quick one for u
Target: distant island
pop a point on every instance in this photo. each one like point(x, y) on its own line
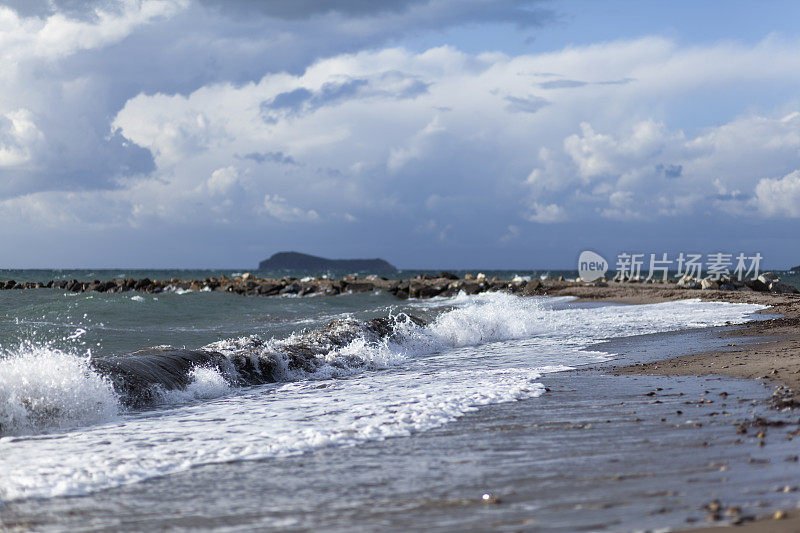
point(298, 261)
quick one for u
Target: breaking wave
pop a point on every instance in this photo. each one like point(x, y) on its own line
point(43, 388)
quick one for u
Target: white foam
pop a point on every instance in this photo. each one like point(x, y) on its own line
point(488, 318)
point(178, 290)
point(206, 383)
point(43, 388)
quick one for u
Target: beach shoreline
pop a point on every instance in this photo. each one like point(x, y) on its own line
point(770, 354)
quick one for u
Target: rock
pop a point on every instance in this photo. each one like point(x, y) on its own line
point(359, 286)
point(414, 288)
point(532, 287)
point(756, 285)
point(142, 284)
point(292, 288)
point(481, 276)
point(473, 288)
point(429, 291)
point(309, 288)
point(709, 284)
point(469, 277)
point(103, 286)
point(688, 282)
point(447, 275)
point(246, 276)
point(782, 288)
point(768, 277)
point(269, 289)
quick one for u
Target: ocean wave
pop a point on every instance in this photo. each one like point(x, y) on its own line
point(42, 388)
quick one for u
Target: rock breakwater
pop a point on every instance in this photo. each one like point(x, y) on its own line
point(423, 286)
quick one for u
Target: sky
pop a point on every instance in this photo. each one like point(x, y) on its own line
point(431, 133)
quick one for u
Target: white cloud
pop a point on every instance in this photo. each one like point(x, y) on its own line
point(277, 207)
point(645, 170)
point(222, 180)
point(18, 137)
point(546, 214)
point(779, 197)
point(59, 35)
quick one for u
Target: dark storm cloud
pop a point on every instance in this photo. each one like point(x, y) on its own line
point(525, 105)
point(65, 166)
point(415, 15)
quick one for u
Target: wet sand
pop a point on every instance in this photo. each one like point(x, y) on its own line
point(767, 350)
point(596, 453)
point(775, 357)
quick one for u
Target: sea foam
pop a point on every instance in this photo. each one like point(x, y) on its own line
point(44, 388)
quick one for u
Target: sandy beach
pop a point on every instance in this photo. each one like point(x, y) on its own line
point(772, 356)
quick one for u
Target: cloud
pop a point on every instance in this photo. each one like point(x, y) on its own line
point(380, 142)
point(363, 141)
point(303, 99)
point(270, 157)
point(85, 9)
point(301, 9)
point(669, 171)
point(546, 214)
point(222, 180)
point(277, 207)
point(562, 84)
point(18, 137)
point(54, 129)
point(443, 13)
point(779, 197)
point(622, 176)
point(531, 104)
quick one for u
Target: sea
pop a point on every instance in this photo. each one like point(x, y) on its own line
point(193, 410)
